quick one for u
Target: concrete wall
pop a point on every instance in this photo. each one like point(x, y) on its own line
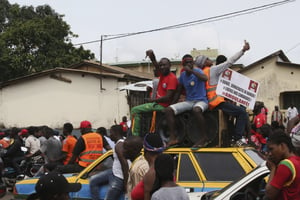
point(274, 79)
point(47, 101)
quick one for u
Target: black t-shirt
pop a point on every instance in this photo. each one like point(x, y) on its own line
point(80, 145)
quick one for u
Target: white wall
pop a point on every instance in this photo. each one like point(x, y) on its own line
point(46, 101)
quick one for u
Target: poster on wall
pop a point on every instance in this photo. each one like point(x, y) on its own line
point(238, 88)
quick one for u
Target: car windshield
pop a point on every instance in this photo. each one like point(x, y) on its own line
point(218, 192)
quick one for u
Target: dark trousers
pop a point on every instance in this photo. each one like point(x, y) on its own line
point(241, 117)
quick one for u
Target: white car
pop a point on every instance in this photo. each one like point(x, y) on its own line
point(250, 187)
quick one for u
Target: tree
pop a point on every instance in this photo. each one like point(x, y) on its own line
point(35, 39)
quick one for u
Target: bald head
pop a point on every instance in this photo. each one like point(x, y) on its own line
point(132, 147)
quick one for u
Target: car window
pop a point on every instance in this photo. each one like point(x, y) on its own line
point(105, 164)
point(255, 156)
point(254, 189)
point(187, 171)
point(219, 166)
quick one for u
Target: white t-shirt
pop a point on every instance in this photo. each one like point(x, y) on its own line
point(291, 113)
point(32, 143)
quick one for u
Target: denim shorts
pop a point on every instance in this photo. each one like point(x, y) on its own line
point(188, 105)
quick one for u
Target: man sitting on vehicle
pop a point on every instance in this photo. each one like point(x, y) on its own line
point(192, 80)
point(218, 102)
point(166, 88)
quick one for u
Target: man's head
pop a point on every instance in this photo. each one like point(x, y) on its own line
point(164, 167)
point(279, 146)
point(23, 133)
point(132, 147)
point(276, 108)
point(188, 60)
point(153, 144)
point(85, 127)
point(220, 59)
point(116, 132)
point(54, 186)
point(102, 131)
point(49, 132)
point(32, 130)
point(124, 119)
point(164, 66)
point(203, 61)
point(67, 129)
point(14, 132)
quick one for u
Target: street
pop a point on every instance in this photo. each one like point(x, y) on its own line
point(8, 196)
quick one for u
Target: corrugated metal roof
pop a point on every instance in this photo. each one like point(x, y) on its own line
point(57, 70)
point(279, 53)
point(114, 69)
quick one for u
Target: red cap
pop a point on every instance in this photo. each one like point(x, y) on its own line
point(85, 124)
point(23, 132)
point(2, 133)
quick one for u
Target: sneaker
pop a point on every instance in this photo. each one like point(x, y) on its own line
point(241, 142)
point(20, 177)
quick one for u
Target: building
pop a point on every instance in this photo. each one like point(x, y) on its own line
point(278, 78)
point(84, 91)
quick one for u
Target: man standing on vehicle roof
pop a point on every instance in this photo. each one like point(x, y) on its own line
point(165, 90)
point(218, 102)
point(284, 165)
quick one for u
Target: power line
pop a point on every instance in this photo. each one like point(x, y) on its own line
point(193, 23)
point(294, 47)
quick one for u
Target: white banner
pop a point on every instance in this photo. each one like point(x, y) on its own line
point(238, 88)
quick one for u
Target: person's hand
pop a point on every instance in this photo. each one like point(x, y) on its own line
point(246, 46)
point(271, 165)
point(188, 68)
point(149, 53)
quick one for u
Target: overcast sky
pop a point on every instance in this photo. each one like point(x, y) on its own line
point(267, 30)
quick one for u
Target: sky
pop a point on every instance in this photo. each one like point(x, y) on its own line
point(267, 30)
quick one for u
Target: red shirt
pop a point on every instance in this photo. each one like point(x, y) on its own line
point(166, 83)
point(124, 126)
point(283, 175)
point(137, 192)
point(259, 120)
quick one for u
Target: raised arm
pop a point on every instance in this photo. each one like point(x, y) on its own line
point(152, 57)
point(219, 69)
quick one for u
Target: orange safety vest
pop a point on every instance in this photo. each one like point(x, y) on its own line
point(213, 98)
point(93, 149)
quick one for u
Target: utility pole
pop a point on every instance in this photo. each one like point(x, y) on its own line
point(101, 47)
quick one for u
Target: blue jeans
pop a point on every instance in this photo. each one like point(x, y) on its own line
point(97, 180)
point(241, 117)
point(116, 188)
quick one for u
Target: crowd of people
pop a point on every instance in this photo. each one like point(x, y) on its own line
point(132, 173)
point(197, 81)
point(151, 175)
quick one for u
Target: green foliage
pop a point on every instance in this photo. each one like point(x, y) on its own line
point(35, 39)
